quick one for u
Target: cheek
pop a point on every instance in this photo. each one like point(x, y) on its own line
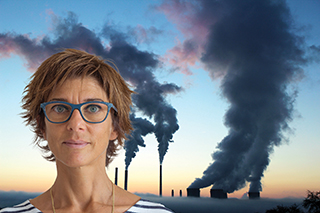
point(50, 132)
point(104, 133)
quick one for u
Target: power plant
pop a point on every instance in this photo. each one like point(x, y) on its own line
point(191, 192)
point(218, 193)
point(254, 195)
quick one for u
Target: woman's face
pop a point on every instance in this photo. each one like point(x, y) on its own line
point(77, 143)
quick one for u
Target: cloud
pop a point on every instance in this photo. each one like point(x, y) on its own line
point(195, 30)
point(314, 52)
point(34, 51)
point(144, 35)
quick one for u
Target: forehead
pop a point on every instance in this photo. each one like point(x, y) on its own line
point(78, 89)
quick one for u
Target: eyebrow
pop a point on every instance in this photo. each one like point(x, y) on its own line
point(86, 100)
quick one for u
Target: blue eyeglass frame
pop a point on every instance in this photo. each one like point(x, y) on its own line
point(78, 107)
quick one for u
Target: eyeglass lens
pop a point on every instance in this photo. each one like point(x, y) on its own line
point(92, 112)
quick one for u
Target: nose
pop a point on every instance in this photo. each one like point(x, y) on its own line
point(76, 122)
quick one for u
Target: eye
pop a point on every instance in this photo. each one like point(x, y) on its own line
point(59, 108)
point(93, 108)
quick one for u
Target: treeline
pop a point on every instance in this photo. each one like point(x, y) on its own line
point(311, 204)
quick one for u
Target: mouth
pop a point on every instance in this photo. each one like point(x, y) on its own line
point(78, 144)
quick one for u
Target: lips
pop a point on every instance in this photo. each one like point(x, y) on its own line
point(78, 144)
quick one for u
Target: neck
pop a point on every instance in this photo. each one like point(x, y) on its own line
point(79, 187)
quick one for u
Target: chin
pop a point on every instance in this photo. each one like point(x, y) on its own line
point(78, 162)
point(73, 162)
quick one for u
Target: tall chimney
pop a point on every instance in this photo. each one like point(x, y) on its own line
point(160, 181)
point(126, 179)
point(193, 192)
point(116, 177)
point(254, 195)
point(180, 193)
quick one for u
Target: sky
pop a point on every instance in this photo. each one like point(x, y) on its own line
point(229, 89)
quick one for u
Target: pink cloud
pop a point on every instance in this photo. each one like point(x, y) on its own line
point(22, 45)
point(7, 47)
point(195, 29)
point(180, 58)
point(144, 35)
point(141, 33)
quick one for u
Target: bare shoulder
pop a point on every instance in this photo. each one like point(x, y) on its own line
point(126, 201)
point(125, 198)
point(42, 202)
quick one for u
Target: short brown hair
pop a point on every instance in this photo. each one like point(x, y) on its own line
point(72, 63)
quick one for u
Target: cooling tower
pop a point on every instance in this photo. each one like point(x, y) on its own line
point(254, 195)
point(218, 193)
point(193, 192)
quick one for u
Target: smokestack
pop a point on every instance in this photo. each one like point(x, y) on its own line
point(126, 179)
point(172, 193)
point(254, 195)
point(218, 193)
point(160, 181)
point(116, 177)
point(193, 192)
point(180, 193)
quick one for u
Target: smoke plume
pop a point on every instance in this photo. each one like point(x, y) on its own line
point(137, 67)
point(151, 101)
point(252, 46)
point(141, 127)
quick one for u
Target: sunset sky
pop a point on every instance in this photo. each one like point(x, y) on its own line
point(193, 69)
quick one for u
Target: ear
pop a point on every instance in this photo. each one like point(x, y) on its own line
point(113, 134)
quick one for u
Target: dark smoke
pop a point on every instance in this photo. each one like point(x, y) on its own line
point(150, 97)
point(315, 53)
point(151, 101)
point(135, 66)
point(10, 43)
point(142, 127)
point(253, 44)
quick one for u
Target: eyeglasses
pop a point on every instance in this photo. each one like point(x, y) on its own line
point(92, 111)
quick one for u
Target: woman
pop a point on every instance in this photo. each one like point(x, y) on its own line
point(80, 105)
